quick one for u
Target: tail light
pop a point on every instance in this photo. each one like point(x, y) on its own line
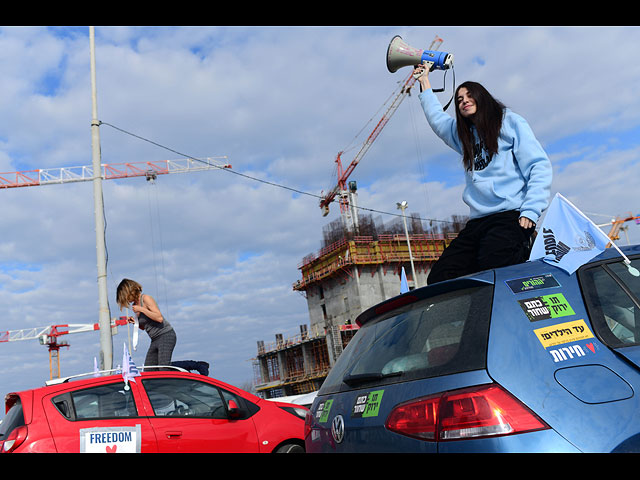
point(482, 411)
point(308, 421)
point(15, 439)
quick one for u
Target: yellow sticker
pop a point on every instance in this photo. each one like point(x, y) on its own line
point(563, 333)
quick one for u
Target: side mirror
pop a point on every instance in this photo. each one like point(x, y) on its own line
point(234, 410)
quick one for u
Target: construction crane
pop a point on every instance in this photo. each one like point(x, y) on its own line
point(49, 336)
point(617, 225)
point(343, 174)
point(91, 173)
point(150, 170)
point(50, 176)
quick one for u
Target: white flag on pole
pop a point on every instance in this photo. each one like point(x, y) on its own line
point(568, 238)
point(136, 328)
point(129, 369)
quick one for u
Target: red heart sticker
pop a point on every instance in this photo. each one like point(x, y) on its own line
point(112, 449)
point(591, 347)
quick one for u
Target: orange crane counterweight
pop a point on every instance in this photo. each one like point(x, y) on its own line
point(616, 226)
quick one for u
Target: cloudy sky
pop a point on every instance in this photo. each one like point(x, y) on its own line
point(219, 251)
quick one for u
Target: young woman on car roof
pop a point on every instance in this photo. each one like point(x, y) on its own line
point(150, 319)
point(508, 179)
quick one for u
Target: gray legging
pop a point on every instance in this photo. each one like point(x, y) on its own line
point(161, 348)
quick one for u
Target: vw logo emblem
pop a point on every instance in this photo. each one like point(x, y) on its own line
point(337, 428)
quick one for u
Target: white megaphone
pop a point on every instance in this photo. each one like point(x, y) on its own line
point(399, 54)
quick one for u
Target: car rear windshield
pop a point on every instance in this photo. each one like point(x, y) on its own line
point(612, 297)
point(439, 335)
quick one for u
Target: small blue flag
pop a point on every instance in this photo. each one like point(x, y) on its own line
point(404, 285)
point(567, 238)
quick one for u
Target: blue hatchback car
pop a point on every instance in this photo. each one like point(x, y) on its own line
point(520, 359)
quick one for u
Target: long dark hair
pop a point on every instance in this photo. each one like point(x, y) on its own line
point(487, 120)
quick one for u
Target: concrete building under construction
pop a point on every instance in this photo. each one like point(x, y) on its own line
point(349, 274)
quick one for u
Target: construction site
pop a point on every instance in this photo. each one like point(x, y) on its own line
point(349, 274)
point(359, 265)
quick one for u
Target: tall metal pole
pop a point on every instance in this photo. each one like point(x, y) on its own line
point(402, 206)
point(106, 342)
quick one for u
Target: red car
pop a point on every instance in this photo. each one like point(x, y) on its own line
point(163, 411)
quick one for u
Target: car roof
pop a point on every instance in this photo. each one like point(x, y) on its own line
point(475, 279)
point(90, 378)
point(117, 372)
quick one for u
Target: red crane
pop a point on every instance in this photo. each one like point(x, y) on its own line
point(343, 174)
point(49, 336)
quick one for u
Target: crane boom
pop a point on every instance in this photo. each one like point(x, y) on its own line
point(40, 333)
point(48, 336)
point(48, 176)
point(343, 174)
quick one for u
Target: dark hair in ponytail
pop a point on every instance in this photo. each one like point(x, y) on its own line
point(487, 120)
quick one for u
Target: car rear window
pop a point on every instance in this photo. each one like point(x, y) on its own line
point(105, 401)
point(612, 297)
point(439, 335)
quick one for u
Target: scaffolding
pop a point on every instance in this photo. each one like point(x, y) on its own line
point(293, 365)
point(389, 251)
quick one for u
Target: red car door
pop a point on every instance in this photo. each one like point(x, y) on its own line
point(100, 418)
point(191, 415)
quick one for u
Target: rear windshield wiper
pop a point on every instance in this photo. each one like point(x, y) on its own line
point(359, 378)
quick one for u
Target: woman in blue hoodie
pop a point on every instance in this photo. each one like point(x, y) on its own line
point(508, 179)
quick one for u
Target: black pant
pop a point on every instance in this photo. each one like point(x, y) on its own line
point(488, 242)
point(161, 349)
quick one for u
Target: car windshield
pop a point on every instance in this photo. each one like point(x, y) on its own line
point(612, 297)
point(439, 335)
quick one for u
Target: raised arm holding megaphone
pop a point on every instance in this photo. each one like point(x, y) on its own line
point(507, 172)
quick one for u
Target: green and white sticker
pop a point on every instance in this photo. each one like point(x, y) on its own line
point(322, 414)
point(367, 405)
point(546, 306)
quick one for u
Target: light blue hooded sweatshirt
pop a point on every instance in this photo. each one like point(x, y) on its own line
point(518, 177)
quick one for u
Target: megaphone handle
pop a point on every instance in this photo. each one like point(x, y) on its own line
point(428, 66)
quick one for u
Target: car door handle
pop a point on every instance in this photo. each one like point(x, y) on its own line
point(173, 434)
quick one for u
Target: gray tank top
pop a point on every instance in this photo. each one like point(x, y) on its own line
point(154, 329)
